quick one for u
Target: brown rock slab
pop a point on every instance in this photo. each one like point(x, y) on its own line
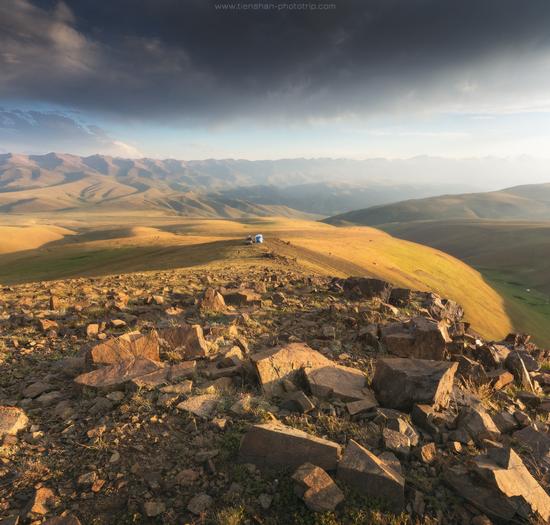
point(400, 383)
point(242, 297)
point(127, 347)
point(503, 470)
point(363, 405)
point(500, 378)
point(420, 338)
point(338, 381)
point(285, 363)
point(202, 405)
point(536, 441)
point(12, 420)
point(189, 339)
point(42, 502)
point(316, 488)
point(477, 423)
point(274, 444)
point(115, 376)
point(372, 476)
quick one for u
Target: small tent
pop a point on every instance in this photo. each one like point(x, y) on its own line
point(259, 238)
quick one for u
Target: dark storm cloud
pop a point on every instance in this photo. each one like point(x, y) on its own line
point(173, 59)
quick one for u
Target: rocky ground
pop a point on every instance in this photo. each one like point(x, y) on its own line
point(263, 396)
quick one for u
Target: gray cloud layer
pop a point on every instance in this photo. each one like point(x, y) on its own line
point(174, 59)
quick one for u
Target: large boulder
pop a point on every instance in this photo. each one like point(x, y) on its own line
point(187, 339)
point(536, 442)
point(400, 383)
point(127, 347)
point(420, 338)
point(116, 376)
point(503, 470)
point(372, 476)
point(276, 445)
point(316, 488)
point(12, 420)
point(367, 288)
point(285, 363)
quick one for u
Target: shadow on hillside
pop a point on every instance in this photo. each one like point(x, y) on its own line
point(59, 261)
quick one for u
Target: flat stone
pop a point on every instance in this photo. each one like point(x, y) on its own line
point(396, 442)
point(187, 339)
point(316, 488)
point(127, 347)
point(242, 297)
point(274, 444)
point(35, 389)
point(42, 502)
point(202, 405)
point(12, 420)
point(115, 376)
point(536, 441)
point(372, 476)
point(285, 363)
point(337, 381)
point(500, 378)
point(400, 383)
point(363, 405)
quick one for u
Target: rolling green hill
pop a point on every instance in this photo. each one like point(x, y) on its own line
point(529, 202)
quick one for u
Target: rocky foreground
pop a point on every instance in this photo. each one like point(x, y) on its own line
point(263, 396)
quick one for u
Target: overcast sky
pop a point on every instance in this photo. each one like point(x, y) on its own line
point(350, 78)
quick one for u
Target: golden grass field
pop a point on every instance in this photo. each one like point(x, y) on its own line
point(88, 246)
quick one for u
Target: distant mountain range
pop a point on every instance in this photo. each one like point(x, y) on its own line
point(527, 202)
point(229, 187)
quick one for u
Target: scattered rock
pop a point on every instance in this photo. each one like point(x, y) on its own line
point(400, 383)
point(200, 503)
point(274, 444)
point(202, 405)
point(316, 488)
point(127, 347)
point(12, 420)
point(371, 476)
point(188, 339)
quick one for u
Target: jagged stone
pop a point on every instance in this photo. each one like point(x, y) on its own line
point(420, 338)
point(316, 488)
point(42, 501)
point(500, 378)
point(213, 301)
point(188, 339)
point(372, 476)
point(492, 356)
point(395, 420)
point(12, 420)
point(477, 423)
point(400, 383)
point(537, 442)
point(396, 442)
point(470, 370)
point(503, 470)
point(127, 347)
point(200, 503)
point(401, 296)
point(286, 362)
point(35, 389)
point(274, 444)
point(297, 402)
point(505, 422)
point(115, 376)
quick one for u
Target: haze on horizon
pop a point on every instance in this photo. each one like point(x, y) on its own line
point(201, 79)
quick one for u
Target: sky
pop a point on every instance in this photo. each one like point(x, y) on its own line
point(194, 79)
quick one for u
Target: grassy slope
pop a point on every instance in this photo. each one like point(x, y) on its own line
point(520, 202)
point(173, 243)
point(513, 256)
